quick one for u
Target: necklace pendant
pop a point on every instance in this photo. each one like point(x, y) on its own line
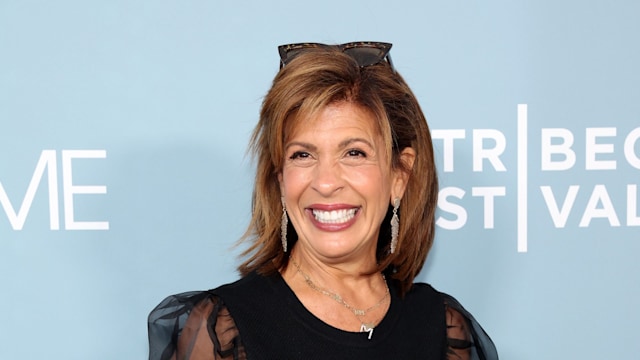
point(369, 329)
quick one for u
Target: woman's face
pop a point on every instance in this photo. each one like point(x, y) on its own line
point(337, 182)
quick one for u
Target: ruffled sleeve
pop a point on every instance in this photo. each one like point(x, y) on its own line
point(193, 325)
point(465, 337)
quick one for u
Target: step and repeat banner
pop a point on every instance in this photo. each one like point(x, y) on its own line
point(124, 176)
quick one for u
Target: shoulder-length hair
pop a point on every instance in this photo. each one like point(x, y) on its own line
point(310, 82)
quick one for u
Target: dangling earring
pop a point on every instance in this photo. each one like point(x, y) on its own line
point(395, 225)
point(283, 226)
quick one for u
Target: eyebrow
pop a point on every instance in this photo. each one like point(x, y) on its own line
point(301, 144)
point(345, 143)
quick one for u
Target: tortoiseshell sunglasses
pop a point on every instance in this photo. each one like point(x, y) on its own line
point(366, 53)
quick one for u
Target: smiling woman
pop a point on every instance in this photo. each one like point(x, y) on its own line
point(346, 191)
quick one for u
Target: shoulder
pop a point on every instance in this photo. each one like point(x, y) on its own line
point(422, 289)
point(466, 339)
point(422, 295)
point(251, 291)
point(250, 283)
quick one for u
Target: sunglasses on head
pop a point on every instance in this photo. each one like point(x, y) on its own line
point(365, 53)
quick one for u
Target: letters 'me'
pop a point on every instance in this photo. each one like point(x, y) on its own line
point(48, 162)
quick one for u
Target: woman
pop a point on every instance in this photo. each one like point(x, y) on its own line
point(343, 219)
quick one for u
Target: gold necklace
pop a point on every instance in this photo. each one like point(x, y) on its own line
point(359, 313)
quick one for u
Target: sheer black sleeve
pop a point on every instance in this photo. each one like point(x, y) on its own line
point(193, 325)
point(465, 337)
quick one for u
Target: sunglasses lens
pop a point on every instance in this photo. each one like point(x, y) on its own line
point(366, 56)
point(291, 54)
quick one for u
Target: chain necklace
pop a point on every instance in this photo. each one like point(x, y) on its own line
point(359, 313)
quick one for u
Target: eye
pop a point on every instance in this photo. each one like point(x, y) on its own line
point(299, 155)
point(356, 153)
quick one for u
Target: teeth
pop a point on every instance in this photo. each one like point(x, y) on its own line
point(335, 216)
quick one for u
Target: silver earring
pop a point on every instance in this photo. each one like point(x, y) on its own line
point(395, 225)
point(283, 226)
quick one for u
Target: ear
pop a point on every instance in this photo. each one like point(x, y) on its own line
point(401, 176)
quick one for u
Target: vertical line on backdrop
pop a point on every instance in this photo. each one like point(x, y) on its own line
point(522, 178)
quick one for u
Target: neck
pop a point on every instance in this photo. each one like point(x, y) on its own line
point(345, 272)
point(359, 284)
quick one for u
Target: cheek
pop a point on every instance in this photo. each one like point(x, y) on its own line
point(370, 180)
point(293, 181)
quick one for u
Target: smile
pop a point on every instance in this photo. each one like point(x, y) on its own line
point(334, 216)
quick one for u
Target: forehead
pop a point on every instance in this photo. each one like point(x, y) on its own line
point(335, 116)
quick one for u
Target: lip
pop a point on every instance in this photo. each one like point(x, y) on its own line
point(332, 207)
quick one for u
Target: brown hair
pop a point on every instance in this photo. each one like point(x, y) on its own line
point(310, 82)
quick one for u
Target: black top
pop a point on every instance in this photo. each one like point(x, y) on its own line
point(260, 317)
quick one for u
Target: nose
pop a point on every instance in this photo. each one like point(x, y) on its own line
point(327, 178)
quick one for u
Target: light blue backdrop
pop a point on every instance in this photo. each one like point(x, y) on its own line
point(160, 98)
